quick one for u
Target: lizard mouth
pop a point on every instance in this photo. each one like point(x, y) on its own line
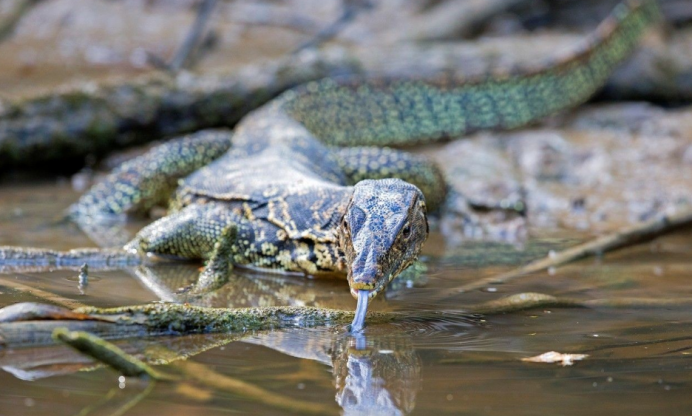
point(371, 289)
point(364, 296)
point(361, 310)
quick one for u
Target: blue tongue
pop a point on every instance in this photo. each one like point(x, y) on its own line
point(361, 310)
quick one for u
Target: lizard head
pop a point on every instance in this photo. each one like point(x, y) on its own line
point(381, 233)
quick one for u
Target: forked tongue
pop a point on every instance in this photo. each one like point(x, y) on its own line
point(361, 310)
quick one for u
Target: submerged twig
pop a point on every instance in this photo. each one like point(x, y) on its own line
point(627, 237)
point(112, 395)
point(136, 400)
point(108, 353)
point(185, 318)
point(34, 323)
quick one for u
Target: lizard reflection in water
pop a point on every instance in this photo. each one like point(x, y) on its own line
point(381, 377)
point(304, 184)
point(373, 373)
point(376, 372)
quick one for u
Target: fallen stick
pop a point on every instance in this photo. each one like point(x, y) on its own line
point(185, 318)
point(626, 237)
point(108, 353)
point(64, 126)
point(530, 300)
point(161, 318)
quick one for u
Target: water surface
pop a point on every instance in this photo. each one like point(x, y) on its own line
point(639, 360)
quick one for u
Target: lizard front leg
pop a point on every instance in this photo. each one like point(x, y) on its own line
point(219, 266)
point(142, 182)
point(198, 231)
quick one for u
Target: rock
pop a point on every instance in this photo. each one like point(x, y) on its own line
point(598, 169)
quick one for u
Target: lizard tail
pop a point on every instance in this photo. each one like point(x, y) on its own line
point(382, 112)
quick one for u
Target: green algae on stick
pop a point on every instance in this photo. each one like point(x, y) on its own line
point(188, 318)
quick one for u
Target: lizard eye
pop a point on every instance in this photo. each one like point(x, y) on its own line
point(406, 232)
point(356, 220)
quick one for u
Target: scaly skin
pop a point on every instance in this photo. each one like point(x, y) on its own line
point(283, 197)
point(387, 112)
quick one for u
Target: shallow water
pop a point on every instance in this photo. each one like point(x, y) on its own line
point(639, 361)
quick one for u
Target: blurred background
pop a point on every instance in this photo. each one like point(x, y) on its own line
point(83, 84)
point(88, 84)
point(49, 42)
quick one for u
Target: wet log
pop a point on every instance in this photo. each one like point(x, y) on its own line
point(63, 127)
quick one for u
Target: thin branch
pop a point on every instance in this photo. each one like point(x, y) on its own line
point(193, 38)
point(531, 300)
point(182, 57)
point(110, 395)
point(596, 247)
point(8, 25)
point(350, 11)
point(106, 352)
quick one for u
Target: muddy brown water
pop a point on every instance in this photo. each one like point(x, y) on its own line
point(640, 360)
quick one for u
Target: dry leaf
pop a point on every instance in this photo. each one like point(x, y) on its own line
point(565, 359)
